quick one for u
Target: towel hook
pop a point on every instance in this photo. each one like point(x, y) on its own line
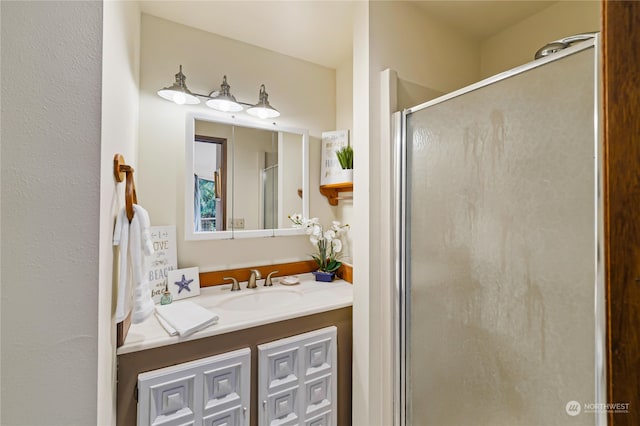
point(122, 171)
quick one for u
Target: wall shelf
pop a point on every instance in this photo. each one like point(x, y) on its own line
point(331, 191)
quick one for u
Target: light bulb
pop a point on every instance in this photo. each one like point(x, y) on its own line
point(179, 98)
point(224, 105)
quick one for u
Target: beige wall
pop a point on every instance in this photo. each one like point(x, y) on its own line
point(402, 37)
point(120, 80)
point(304, 93)
point(517, 44)
point(425, 53)
point(289, 178)
point(50, 231)
point(248, 161)
point(360, 230)
point(343, 212)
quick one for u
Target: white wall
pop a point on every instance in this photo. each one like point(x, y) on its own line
point(0, 227)
point(51, 101)
point(360, 230)
point(402, 37)
point(289, 178)
point(205, 161)
point(120, 80)
point(343, 212)
point(517, 44)
point(424, 53)
point(248, 159)
point(304, 93)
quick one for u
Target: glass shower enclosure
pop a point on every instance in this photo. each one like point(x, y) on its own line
point(500, 281)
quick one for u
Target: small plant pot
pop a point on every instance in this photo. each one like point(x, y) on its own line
point(345, 175)
point(323, 276)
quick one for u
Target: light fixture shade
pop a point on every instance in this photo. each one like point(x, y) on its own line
point(262, 109)
point(178, 91)
point(224, 101)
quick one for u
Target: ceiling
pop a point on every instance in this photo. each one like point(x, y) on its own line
point(481, 19)
point(320, 31)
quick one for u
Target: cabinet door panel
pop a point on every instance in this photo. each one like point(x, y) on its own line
point(283, 369)
point(306, 365)
point(283, 408)
point(317, 356)
point(211, 391)
point(231, 417)
point(171, 401)
point(222, 387)
point(317, 395)
point(324, 419)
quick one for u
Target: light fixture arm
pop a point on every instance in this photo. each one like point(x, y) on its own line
point(180, 78)
point(263, 96)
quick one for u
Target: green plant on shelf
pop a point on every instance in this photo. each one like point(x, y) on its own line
point(345, 156)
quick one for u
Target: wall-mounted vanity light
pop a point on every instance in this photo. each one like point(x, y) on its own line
point(262, 109)
point(221, 100)
point(178, 92)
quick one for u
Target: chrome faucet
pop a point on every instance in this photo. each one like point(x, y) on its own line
point(267, 281)
point(254, 275)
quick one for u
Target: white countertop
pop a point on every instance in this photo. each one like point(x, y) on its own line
point(247, 308)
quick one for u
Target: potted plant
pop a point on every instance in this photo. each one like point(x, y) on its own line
point(327, 243)
point(345, 158)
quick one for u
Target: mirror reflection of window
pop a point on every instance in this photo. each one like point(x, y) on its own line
point(205, 197)
point(261, 172)
point(209, 182)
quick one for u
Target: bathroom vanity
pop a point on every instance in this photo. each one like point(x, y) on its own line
point(288, 320)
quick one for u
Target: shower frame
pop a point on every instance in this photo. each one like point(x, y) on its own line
point(401, 273)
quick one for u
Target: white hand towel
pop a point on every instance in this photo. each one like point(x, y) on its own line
point(140, 246)
point(172, 331)
point(121, 238)
point(134, 240)
point(185, 317)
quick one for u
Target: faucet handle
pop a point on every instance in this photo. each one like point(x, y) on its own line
point(267, 282)
point(235, 286)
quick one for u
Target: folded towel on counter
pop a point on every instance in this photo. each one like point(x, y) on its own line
point(184, 318)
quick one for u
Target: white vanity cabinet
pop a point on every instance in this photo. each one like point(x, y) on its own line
point(303, 354)
point(212, 391)
point(297, 380)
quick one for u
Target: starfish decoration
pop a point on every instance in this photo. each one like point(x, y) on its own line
point(183, 284)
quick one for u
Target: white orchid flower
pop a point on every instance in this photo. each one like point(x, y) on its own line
point(327, 244)
point(330, 235)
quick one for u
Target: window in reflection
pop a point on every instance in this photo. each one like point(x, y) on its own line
point(210, 171)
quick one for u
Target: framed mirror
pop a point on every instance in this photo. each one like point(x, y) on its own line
point(243, 178)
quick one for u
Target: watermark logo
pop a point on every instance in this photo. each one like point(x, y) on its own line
point(573, 408)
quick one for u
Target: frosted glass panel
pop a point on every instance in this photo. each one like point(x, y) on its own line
point(501, 251)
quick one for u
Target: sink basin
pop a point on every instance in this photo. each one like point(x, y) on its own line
point(250, 300)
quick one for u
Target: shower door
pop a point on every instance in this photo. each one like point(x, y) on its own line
point(500, 228)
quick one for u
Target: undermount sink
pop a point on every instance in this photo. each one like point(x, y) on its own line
point(249, 300)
